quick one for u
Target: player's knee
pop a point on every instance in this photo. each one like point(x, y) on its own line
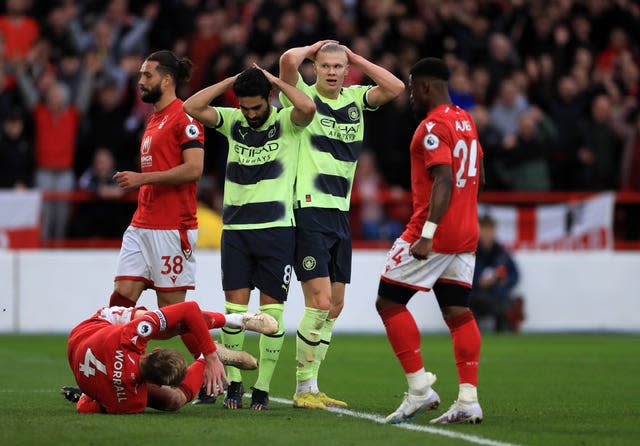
point(129, 289)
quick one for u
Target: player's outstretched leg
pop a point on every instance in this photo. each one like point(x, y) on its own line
point(260, 323)
point(414, 404)
point(238, 359)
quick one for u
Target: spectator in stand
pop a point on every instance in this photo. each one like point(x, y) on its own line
point(598, 161)
point(8, 97)
point(460, 89)
point(104, 216)
point(16, 152)
point(104, 125)
point(204, 42)
point(18, 28)
point(617, 45)
point(505, 113)
point(501, 62)
point(567, 113)
point(56, 118)
point(491, 141)
point(115, 32)
point(494, 278)
point(526, 161)
point(369, 218)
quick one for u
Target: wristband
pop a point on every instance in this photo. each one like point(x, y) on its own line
point(429, 229)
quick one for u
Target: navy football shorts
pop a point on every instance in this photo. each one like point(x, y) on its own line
point(258, 258)
point(323, 244)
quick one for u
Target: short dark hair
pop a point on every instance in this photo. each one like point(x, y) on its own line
point(179, 69)
point(431, 67)
point(252, 82)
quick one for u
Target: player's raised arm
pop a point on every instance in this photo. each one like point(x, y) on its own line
point(292, 58)
point(388, 87)
point(197, 106)
point(303, 107)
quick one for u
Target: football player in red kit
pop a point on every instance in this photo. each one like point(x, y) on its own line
point(107, 356)
point(437, 249)
point(157, 247)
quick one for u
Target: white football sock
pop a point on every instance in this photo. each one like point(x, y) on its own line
point(418, 382)
point(468, 393)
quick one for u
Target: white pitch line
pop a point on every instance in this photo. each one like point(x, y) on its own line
point(362, 415)
point(412, 427)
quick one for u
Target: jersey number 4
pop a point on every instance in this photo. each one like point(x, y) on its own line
point(467, 154)
point(91, 364)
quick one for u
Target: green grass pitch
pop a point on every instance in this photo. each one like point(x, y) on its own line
point(534, 390)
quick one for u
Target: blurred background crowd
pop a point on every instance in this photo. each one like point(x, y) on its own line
point(552, 84)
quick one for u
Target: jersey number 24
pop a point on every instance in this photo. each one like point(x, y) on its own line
point(468, 158)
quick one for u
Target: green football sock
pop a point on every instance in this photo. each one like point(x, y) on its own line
point(233, 338)
point(325, 341)
point(307, 341)
point(270, 346)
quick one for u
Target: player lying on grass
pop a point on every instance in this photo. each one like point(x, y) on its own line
point(115, 374)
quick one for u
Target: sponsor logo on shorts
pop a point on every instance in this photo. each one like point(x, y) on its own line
point(309, 263)
point(187, 253)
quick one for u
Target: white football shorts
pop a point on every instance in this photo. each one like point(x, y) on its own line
point(162, 258)
point(401, 268)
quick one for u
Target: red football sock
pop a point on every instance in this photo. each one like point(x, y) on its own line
point(403, 336)
point(466, 346)
point(213, 319)
point(193, 380)
point(118, 300)
point(87, 405)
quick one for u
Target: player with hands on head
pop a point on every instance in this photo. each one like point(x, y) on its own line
point(107, 354)
point(257, 245)
point(437, 249)
point(329, 151)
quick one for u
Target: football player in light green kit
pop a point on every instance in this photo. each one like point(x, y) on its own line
point(329, 152)
point(258, 233)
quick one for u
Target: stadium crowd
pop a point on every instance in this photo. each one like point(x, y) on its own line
point(553, 86)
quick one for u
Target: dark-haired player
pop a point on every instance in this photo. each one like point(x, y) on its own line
point(157, 247)
point(258, 222)
point(436, 250)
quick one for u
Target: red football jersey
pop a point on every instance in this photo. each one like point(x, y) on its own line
point(104, 355)
point(166, 206)
point(447, 135)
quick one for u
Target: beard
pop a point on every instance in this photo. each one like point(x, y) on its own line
point(152, 95)
point(258, 121)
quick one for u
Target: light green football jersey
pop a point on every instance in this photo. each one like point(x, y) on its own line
point(261, 169)
point(330, 147)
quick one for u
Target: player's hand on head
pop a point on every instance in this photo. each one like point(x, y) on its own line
point(270, 77)
point(313, 49)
